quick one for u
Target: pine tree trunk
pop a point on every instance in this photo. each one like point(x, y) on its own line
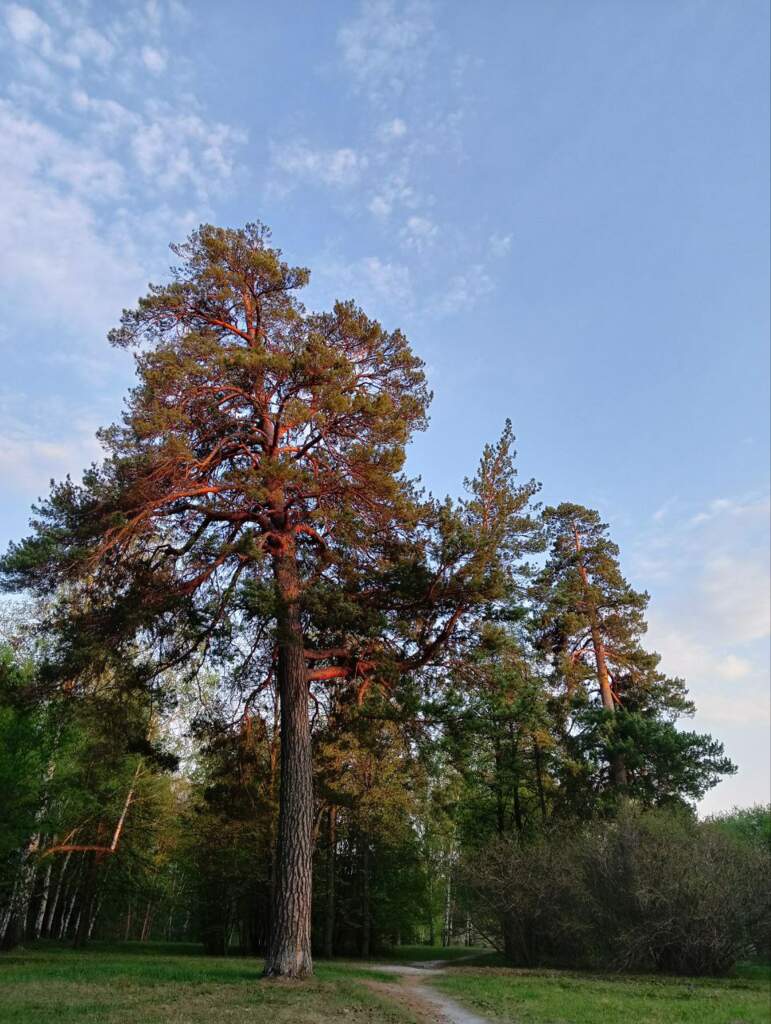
point(289, 952)
point(329, 920)
point(617, 767)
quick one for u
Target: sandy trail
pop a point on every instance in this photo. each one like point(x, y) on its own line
point(414, 991)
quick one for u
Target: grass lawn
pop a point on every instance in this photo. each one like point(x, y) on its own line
point(135, 984)
point(175, 984)
point(562, 997)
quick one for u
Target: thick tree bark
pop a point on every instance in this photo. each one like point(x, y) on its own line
point(289, 952)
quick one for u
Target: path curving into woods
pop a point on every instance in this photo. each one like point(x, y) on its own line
point(413, 990)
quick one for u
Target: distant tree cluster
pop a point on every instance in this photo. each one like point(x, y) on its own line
point(271, 696)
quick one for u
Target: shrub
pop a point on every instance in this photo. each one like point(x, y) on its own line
point(653, 890)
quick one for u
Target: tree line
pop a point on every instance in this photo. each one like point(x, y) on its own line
point(268, 694)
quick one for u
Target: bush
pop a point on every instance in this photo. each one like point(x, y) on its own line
point(649, 890)
point(524, 897)
point(752, 826)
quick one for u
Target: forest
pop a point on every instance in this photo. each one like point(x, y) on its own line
point(261, 692)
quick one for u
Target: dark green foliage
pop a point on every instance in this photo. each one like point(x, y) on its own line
point(615, 709)
point(646, 891)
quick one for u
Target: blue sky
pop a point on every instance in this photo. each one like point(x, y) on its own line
point(565, 205)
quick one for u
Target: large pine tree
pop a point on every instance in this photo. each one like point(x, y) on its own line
point(590, 624)
point(252, 514)
point(256, 436)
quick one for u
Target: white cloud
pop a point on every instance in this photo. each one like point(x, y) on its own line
point(464, 291)
point(710, 613)
point(88, 43)
point(379, 286)
point(28, 464)
point(25, 25)
point(380, 207)
point(56, 257)
point(737, 508)
point(65, 49)
point(153, 59)
point(297, 162)
point(664, 510)
point(176, 150)
point(733, 667)
point(736, 708)
point(391, 130)
point(386, 45)
point(736, 595)
point(92, 183)
point(31, 150)
point(40, 441)
point(419, 232)
point(393, 192)
point(499, 245)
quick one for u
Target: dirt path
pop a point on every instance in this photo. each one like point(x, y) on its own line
point(414, 991)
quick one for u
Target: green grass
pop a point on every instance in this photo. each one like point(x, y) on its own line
point(174, 984)
point(562, 997)
point(135, 984)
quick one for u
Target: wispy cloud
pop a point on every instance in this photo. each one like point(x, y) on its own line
point(419, 232)
point(391, 130)
point(35, 449)
point(296, 162)
point(500, 245)
point(387, 45)
point(154, 60)
point(711, 606)
point(382, 287)
point(94, 168)
point(105, 154)
point(463, 291)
